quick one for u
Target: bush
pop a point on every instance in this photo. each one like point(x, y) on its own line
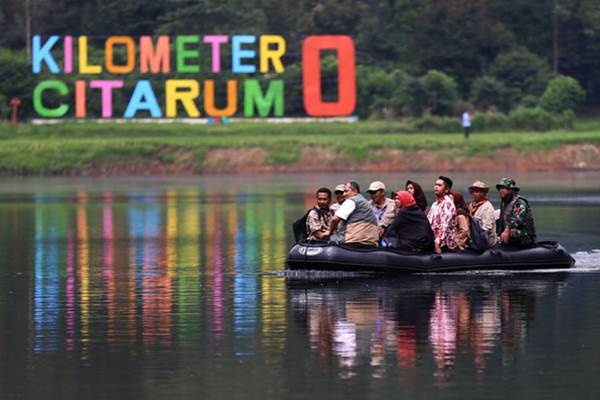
point(387, 94)
point(522, 119)
point(522, 73)
point(374, 85)
point(16, 80)
point(440, 92)
point(562, 93)
point(431, 123)
point(491, 122)
point(3, 106)
point(538, 119)
point(488, 92)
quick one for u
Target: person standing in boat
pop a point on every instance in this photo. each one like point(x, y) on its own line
point(319, 218)
point(356, 219)
point(516, 219)
point(383, 207)
point(339, 197)
point(482, 209)
point(410, 229)
point(442, 216)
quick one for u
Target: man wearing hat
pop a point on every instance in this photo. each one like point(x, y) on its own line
point(339, 196)
point(383, 207)
point(516, 219)
point(482, 209)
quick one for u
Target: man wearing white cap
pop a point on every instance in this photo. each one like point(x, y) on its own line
point(356, 219)
point(383, 207)
point(339, 196)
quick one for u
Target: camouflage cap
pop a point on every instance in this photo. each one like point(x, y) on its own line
point(508, 183)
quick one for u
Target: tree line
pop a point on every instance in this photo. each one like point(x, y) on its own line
point(414, 57)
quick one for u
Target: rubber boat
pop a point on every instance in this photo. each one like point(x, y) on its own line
point(336, 257)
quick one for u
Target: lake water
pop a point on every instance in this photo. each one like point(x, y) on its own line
point(175, 288)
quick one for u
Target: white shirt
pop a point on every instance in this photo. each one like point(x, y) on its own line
point(347, 208)
point(466, 120)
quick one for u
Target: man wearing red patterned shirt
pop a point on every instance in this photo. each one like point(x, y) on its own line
point(442, 216)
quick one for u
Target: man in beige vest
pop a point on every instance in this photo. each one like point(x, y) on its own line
point(356, 219)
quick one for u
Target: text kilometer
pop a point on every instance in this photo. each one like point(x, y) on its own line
point(154, 56)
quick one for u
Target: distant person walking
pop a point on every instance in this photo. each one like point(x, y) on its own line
point(466, 123)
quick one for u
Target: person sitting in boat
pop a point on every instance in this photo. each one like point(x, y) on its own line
point(339, 197)
point(383, 207)
point(516, 219)
point(356, 219)
point(482, 209)
point(319, 218)
point(417, 192)
point(463, 233)
point(410, 229)
point(442, 216)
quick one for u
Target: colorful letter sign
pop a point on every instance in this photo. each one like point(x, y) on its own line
point(250, 66)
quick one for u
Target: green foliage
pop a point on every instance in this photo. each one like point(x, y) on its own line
point(430, 123)
point(538, 119)
point(70, 147)
point(488, 93)
point(16, 80)
point(562, 93)
point(495, 51)
point(440, 93)
point(491, 122)
point(521, 73)
point(3, 106)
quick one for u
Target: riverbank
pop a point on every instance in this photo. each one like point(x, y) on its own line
point(110, 149)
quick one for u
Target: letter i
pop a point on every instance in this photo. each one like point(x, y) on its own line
point(80, 98)
point(68, 68)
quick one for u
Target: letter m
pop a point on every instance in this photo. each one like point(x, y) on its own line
point(263, 103)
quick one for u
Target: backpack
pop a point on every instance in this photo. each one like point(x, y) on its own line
point(299, 226)
point(479, 237)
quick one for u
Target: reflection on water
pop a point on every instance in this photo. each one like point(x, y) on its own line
point(403, 322)
point(177, 291)
point(153, 269)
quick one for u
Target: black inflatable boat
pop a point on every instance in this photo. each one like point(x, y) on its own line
point(334, 257)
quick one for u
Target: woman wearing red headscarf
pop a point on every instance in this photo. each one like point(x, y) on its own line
point(410, 230)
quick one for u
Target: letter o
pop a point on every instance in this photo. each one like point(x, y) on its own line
point(311, 76)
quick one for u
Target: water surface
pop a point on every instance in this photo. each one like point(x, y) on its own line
point(174, 288)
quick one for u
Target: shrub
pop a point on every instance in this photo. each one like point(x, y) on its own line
point(440, 92)
point(488, 92)
point(3, 106)
point(430, 123)
point(374, 86)
point(562, 93)
point(15, 78)
point(534, 119)
point(491, 122)
point(522, 73)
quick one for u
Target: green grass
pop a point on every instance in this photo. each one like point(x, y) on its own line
point(56, 149)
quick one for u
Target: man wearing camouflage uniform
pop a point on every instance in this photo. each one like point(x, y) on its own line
point(516, 219)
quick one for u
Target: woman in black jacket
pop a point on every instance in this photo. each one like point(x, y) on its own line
point(410, 230)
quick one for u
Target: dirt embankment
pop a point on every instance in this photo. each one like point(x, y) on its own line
point(315, 159)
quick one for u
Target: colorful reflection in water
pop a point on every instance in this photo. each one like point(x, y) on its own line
point(185, 282)
point(157, 269)
point(404, 324)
